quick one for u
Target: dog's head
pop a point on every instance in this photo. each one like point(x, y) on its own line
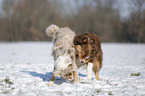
point(83, 52)
point(83, 47)
point(87, 46)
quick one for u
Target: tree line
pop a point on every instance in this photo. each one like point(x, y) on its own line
point(24, 20)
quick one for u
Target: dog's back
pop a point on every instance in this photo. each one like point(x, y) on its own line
point(63, 41)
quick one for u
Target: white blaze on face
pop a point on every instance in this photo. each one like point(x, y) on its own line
point(87, 58)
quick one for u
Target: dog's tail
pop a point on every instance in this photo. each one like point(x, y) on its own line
point(50, 30)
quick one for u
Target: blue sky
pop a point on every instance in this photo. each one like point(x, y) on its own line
point(124, 7)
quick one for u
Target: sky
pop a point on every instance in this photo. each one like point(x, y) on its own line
point(124, 8)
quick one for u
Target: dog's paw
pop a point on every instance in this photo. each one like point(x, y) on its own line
point(50, 83)
point(99, 79)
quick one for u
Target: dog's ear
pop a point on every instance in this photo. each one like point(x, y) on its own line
point(78, 48)
point(82, 39)
point(77, 40)
point(85, 39)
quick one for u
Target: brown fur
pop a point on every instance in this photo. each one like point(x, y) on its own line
point(88, 47)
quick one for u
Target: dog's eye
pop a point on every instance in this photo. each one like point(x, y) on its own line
point(92, 56)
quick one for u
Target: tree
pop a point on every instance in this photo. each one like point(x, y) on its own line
point(134, 27)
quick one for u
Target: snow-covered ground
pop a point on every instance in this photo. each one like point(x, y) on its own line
point(26, 69)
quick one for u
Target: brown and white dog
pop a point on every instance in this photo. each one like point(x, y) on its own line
point(88, 52)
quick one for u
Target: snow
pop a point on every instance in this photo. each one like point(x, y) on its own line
point(29, 66)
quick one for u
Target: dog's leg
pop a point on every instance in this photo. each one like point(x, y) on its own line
point(97, 74)
point(71, 77)
point(52, 80)
point(89, 71)
point(75, 74)
point(96, 69)
point(74, 70)
point(78, 48)
point(98, 63)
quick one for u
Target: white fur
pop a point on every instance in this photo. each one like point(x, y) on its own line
point(63, 38)
point(62, 45)
point(63, 62)
point(51, 30)
point(89, 71)
point(87, 58)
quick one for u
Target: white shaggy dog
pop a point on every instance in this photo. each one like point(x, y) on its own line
point(63, 51)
